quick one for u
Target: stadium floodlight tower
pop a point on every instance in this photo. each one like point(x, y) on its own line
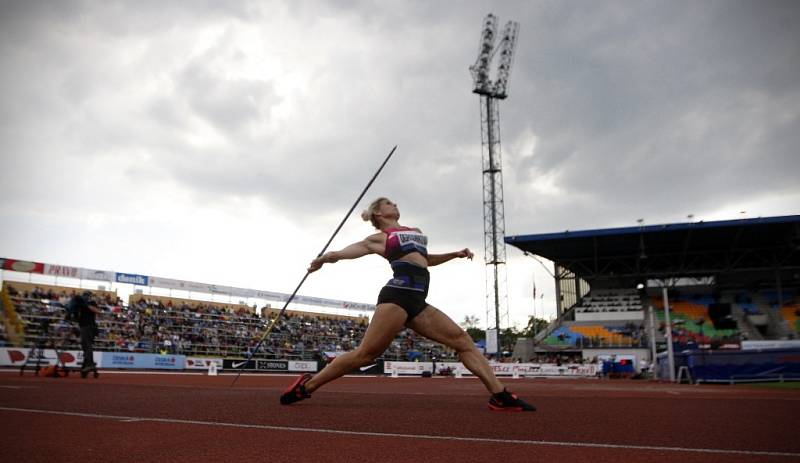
point(490, 92)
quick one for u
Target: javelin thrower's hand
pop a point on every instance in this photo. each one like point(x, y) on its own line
point(465, 253)
point(316, 264)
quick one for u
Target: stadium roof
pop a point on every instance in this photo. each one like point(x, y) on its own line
point(673, 250)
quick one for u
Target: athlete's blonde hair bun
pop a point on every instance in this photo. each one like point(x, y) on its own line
point(369, 213)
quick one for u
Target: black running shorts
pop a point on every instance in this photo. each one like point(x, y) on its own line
point(408, 288)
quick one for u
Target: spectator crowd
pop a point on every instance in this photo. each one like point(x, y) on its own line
point(195, 328)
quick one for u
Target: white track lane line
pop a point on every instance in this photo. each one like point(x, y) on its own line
point(404, 436)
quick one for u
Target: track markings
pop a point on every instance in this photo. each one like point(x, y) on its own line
point(404, 436)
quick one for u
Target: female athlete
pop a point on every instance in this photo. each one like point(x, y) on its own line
point(401, 304)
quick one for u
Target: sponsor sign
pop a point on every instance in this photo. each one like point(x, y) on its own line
point(184, 285)
point(265, 295)
point(143, 361)
point(166, 283)
point(169, 283)
point(272, 365)
point(311, 300)
point(202, 363)
point(253, 293)
point(238, 364)
point(331, 303)
point(97, 275)
point(302, 366)
point(407, 368)
point(16, 357)
point(22, 266)
point(500, 369)
point(375, 368)
point(215, 289)
point(357, 306)
point(62, 271)
point(132, 278)
point(268, 365)
point(193, 286)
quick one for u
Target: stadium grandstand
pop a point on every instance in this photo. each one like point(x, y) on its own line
point(729, 285)
point(196, 328)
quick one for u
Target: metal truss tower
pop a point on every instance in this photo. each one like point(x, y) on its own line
point(490, 92)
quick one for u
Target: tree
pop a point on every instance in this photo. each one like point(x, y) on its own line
point(476, 334)
point(508, 339)
point(470, 325)
point(535, 326)
point(470, 321)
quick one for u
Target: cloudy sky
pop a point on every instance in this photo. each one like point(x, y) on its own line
point(222, 142)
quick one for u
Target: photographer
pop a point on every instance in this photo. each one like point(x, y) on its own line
point(85, 308)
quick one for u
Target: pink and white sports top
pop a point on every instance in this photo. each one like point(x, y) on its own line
point(402, 241)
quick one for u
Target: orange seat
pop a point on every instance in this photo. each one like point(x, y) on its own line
point(598, 331)
point(789, 313)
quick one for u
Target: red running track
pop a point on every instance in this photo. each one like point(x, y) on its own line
point(192, 418)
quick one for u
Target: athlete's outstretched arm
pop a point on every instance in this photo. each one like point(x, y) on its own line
point(370, 245)
point(436, 259)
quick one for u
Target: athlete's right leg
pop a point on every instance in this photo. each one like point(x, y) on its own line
point(388, 320)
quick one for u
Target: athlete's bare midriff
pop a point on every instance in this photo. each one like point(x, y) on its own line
point(414, 258)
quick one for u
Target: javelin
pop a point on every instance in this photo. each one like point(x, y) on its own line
point(252, 352)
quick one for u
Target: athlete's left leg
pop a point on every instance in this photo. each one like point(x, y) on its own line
point(387, 321)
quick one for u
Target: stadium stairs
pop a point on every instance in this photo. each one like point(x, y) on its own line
point(743, 313)
point(553, 325)
point(777, 328)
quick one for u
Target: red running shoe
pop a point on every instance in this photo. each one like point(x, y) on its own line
point(297, 391)
point(508, 402)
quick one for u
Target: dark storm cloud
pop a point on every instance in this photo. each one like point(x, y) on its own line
point(659, 109)
point(647, 109)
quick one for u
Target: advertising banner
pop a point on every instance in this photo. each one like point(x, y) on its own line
point(545, 369)
point(238, 364)
point(310, 367)
point(97, 275)
point(407, 368)
point(257, 293)
point(16, 356)
point(218, 289)
point(193, 286)
point(62, 271)
point(143, 361)
point(269, 365)
point(170, 283)
point(22, 266)
point(371, 369)
point(357, 306)
point(272, 365)
point(202, 363)
point(132, 278)
point(500, 369)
